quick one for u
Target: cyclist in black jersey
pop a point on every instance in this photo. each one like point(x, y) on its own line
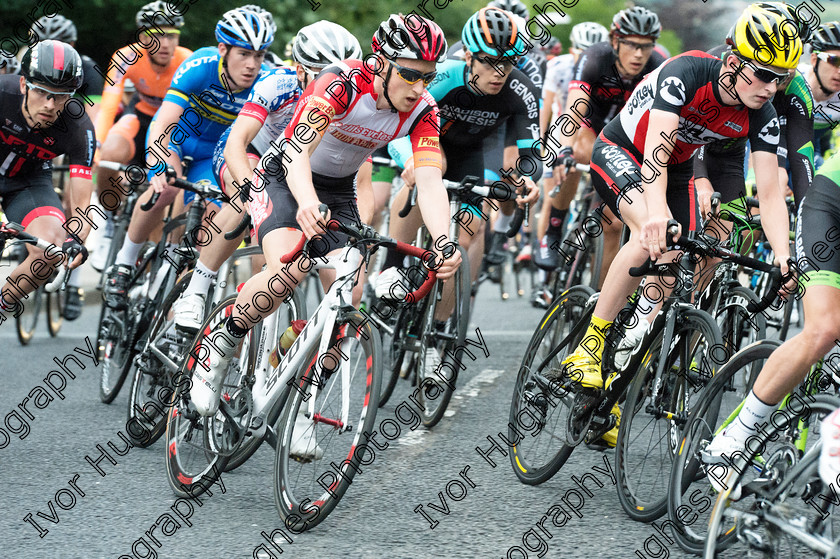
point(602, 80)
point(39, 122)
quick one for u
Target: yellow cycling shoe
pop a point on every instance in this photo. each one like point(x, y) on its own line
point(583, 369)
point(611, 436)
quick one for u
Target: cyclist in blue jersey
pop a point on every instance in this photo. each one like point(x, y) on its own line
point(261, 121)
point(206, 94)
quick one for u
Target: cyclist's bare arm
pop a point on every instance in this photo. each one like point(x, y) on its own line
point(296, 160)
point(364, 192)
point(243, 131)
point(79, 194)
point(431, 197)
point(165, 122)
point(655, 180)
point(774, 212)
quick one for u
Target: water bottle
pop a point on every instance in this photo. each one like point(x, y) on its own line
point(286, 341)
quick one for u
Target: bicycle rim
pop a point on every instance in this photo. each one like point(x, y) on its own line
point(27, 319)
point(306, 485)
point(115, 353)
point(654, 416)
point(55, 311)
point(540, 409)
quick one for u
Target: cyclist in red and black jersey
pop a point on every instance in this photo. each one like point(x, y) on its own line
point(39, 123)
point(642, 167)
point(603, 78)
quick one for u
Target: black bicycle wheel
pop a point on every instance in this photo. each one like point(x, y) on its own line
point(436, 386)
point(782, 494)
point(655, 412)
point(540, 409)
point(55, 311)
point(738, 327)
point(306, 488)
point(152, 384)
point(394, 350)
point(27, 319)
point(690, 493)
point(198, 447)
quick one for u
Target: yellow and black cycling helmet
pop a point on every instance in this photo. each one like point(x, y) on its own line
point(766, 37)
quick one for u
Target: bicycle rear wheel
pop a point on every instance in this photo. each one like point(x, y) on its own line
point(306, 487)
point(394, 351)
point(435, 387)
point(654, 413)
point(543, 450)
point(782, 494)
point(690, 493)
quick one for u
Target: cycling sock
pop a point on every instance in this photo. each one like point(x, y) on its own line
point(753, 413)
point(555, 221)
point(502, 223)
point(595, 337)
point(127, 255)
point(75, 278)
point(201, 279)
point(233, 329)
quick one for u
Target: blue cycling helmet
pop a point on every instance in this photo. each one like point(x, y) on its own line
point(244, 28)
point(495, 32)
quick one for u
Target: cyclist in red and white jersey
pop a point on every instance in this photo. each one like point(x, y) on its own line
point(349, 111)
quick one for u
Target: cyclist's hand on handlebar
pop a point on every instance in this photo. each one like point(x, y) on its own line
point(76, 253)
point(159, 182)
point(408, 173)
point(531, 194)
point(563, 164)
point(704, 196)
point(790, 286)
point(311, 221)
point(447, 269)
point(654, 237)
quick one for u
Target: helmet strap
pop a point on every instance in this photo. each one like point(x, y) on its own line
point(827, 92)
point(227, 73)
point(385, 88)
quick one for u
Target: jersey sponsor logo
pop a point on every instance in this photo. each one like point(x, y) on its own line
point(641, 97)
point(530, 101)
point(428, 142)
point(733, 126)
point(472, 116)
point(672, 90)
point(321, 105)
point(188, 65)
point(617, 161)
point(31, 149)
point(363, 131)
point(771, 132)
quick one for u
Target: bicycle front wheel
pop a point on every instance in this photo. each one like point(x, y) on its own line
point(55, 311)
point(332, 430)
point(655, 412)
point(546, 405)
point(27, 319)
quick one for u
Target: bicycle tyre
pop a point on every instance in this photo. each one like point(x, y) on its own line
point(774, 470)
point(55, 311)
point(643, 463)
point(688, 472)
point(449, 344)
point(538, 456)
point(26, 320)
point(291, 493)
point(734, 320)
point(394, 352)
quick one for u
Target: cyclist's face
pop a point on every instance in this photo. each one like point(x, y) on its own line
point(752, 91)
point(404, 95)
point(633, 52)
point(243, 65)
point(829, 74)
point(42, 108)
point(489, 73)
point(162, 44)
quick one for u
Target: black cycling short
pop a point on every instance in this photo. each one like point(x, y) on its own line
point(726, 173)
point(25, 198)
point(615, 170)
point(461, 163)
point(274, 207)
point(818, 234)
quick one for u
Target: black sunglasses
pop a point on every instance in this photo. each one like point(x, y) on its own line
point(411, 77)
point(505, 63)
point(833, 59)
point(765, 75)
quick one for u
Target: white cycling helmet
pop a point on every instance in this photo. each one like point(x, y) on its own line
point(324, 43)
point(10, 64)
point(244, 28)
point(586, 34)
point(263, 12)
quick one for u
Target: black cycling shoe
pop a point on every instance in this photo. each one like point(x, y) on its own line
point(73, 299)
point(496, 254)
point(116, 286)
point(545, 255)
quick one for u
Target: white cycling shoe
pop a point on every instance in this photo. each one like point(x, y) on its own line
point(211, 371)
point(304, 447)
point(718, 456)
point(188, 312)
point(830, 452)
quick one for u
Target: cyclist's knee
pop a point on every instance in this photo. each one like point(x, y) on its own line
point(821, 335)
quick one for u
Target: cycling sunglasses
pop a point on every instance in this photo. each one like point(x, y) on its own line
point(833, 59)
point(49, 94)
point(765, 75)
point(504, 63)
point(411, 77)
point(644, 47)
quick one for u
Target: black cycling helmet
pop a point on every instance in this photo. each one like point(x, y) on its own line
point(57, 27)
point(826, 37)
point(514, 6)
point(54, 64)
point(158, 13)
point(788, 12)
point(636, 21)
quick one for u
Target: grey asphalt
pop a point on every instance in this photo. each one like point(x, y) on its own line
point(376, 518)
